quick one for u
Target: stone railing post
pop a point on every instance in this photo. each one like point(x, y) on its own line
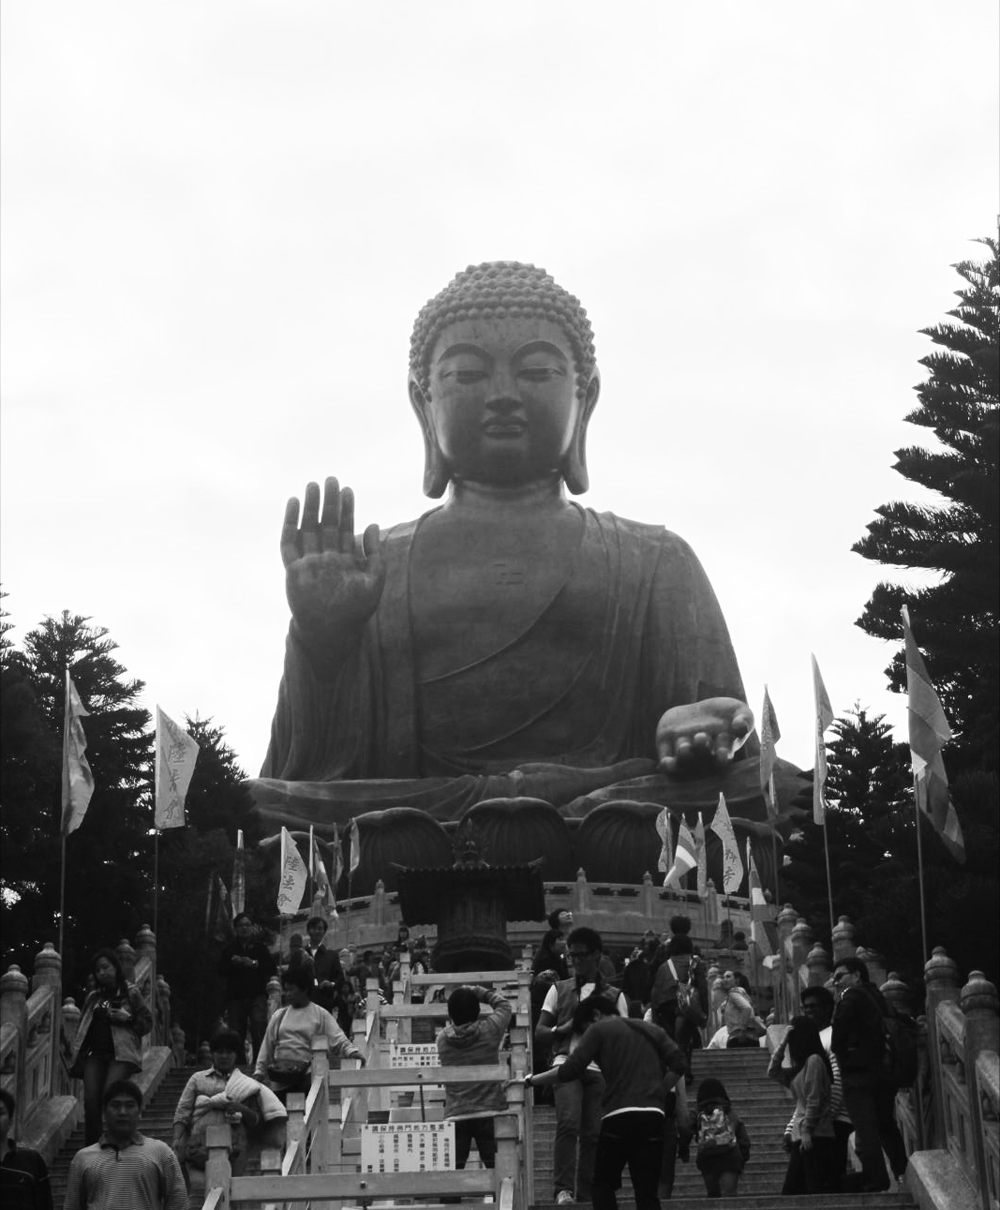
point(126, 956)
point(712, 915)
point(818, 964)
point(162, 1014)
point(14, 1011)
point(980, 1006)
point(647, 897)
point(273, 996)
point(898, 994)
point(581, 892)
point(802, 936)
point(380, 903)
point(48, 973)
point(877, 970)
point(941, 986)
point(843, 940)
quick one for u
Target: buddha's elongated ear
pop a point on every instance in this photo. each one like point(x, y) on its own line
point(436, 472)
point(575, 462)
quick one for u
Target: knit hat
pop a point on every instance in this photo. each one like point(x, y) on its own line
point(713, 1090)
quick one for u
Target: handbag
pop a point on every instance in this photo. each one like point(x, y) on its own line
point(287, 1075)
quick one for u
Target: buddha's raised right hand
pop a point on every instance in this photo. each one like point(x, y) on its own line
point(333, 586)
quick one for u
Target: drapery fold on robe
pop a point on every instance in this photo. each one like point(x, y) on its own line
point(371, 736)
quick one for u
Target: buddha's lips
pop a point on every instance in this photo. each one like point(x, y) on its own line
point(504, 428)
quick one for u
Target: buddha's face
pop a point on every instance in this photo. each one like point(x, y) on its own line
point(504, 405)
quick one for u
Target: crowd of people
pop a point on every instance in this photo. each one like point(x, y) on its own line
point(612, 1046)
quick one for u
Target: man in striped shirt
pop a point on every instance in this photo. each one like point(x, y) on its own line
point(124, 1170)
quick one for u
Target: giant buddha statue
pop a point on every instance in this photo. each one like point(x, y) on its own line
point(509, 643)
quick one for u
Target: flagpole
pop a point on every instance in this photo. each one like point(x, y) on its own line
point(350, 879)
point(62, 894)
point(156, 882)
point(920, 868)
point(782, 969)
point(829, 880)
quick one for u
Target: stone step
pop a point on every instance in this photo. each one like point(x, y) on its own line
point(772, 1201)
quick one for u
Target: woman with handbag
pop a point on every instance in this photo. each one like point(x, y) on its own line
point(285, 1056)
point(108, 1043)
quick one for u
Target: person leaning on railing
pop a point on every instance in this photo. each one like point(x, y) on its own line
point(285, 1056)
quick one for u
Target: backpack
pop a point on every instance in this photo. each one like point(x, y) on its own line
point(688, 1001)
point(899, 1052)
point(715, 1132)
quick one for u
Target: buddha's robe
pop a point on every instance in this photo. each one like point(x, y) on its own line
point(517, 720)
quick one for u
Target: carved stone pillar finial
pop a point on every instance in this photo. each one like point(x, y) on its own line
point(48, 968)
point(843, 939)
point(818, 962)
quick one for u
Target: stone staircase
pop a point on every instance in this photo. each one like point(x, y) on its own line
point(765, 1110)
point(157, 1122)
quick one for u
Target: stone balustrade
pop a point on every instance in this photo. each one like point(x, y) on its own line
point(950, 1118)
point(37, 1031)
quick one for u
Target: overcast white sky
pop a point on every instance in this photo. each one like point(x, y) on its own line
point(220, 220)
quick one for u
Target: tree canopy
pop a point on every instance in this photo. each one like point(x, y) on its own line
point(955, 618)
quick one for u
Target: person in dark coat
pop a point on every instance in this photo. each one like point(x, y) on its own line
point(246, 965)
point(858, 1041)
point(24, 1178)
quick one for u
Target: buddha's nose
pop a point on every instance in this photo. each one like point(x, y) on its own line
point(503, 390)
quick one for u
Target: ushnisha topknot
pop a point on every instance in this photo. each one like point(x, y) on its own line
point(501, 288)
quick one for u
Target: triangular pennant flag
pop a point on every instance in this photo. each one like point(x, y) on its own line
point(770, 733)
point(685, 857)
point(176, 753)
point(337, 853)
point(929, 730)
point(223, 912)
point(663, 829)
point(292, 877)
point(77, 779)
point(824, 717)
point(355, 847)
point(732, 864)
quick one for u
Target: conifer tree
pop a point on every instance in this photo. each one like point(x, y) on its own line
point(954, 619)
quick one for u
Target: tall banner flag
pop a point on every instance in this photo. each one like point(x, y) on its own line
point(824, 717)
point(685, 857)
point(337, 854)
point(702, 855)
point(77, 779)
point(758, 905)
point(355, 847)
point(320, 879)
point(239, 876)
point(929, 730)
point(770, 733)
point(663, 830)
point(292, 878)
point(732, 864)
point(176, 753)
point(223, 912)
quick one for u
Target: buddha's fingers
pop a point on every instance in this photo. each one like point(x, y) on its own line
point(309, 528)
point(346, 532)
point(723, 748)
point(290, 549)
point(330, 521)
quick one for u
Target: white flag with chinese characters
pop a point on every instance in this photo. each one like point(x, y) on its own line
point(293, 876)
point(176, 753)
point(732, 863)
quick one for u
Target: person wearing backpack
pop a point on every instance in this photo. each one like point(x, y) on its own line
point(679, 996)
point(721, 1140)
point(858, 1039)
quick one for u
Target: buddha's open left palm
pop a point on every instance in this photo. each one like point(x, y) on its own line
point(333, 586)
point(703, 733)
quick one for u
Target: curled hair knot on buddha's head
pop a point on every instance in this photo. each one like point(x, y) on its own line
point(500, 289)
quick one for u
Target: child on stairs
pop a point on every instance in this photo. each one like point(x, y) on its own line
point(721, 1140)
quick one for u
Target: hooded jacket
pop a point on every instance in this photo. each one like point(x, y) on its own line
point(476, 1043)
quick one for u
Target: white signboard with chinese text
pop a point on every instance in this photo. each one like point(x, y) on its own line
point(414, 1054)
point(408, 1147)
